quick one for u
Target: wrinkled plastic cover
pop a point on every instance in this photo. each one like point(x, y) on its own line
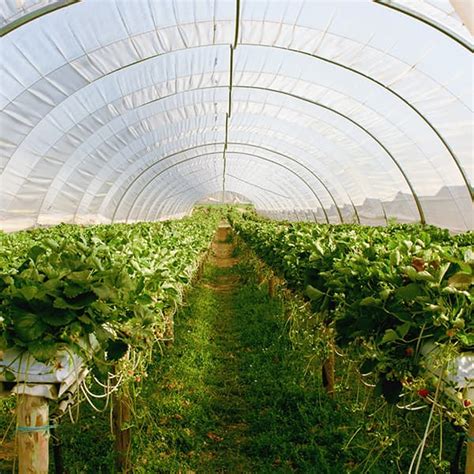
point(53, 381)
point(329, 111)
point(12, 10)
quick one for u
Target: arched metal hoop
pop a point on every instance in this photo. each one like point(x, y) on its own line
point(251, 146)
point(149, 182)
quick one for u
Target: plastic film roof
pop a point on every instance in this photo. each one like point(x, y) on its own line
point(351, 111)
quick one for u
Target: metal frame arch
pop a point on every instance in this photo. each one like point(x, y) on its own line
point(396, 94)
point(287, 156)
point(184, 190)
point(251, 146)
point(258, 197)
point(35, 15)
point(262, 89)
point(259, 45)
point(195, 157)
point(252, 189)
point(201, 195)
point(313, 103)
point(362, 128)
point(343, 116)
point(335, 63)
point(427, 21)
point(142, 172)
point(178, 25)
point(150, 198)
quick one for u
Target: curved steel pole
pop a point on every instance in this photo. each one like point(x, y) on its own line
point(208, 154)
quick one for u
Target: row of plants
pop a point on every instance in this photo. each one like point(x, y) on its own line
point(376, 435)
point(387, 297)
point(96, 290)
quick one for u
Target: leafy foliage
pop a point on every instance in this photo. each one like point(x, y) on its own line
point(96, 290)
point(386, 290)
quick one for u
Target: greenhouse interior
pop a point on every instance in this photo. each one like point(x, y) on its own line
point(236, 236)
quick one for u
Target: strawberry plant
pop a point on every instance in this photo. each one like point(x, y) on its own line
point(96, 290)
point(386, 290)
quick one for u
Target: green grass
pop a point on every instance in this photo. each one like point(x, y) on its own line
point(232, 395)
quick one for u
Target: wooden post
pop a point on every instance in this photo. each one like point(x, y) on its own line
point(33, 450)
point(470, 447)
point(123, 434)
point(328, 372)
point(271, 287)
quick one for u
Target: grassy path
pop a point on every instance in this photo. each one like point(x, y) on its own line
point(228, 396)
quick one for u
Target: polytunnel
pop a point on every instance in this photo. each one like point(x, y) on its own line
point(119, 110)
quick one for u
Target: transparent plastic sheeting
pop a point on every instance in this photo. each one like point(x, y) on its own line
point(328, 111)
point(440, 12)
point(13, 10)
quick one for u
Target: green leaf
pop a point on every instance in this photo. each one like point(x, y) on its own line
point(58, 318)
point(105, 292)
point(408, 292)
point(9, 375)
point(461, 281)
point(85, 319)
point(389, 336)
point(144, 299)
point(79, 277)
point(28, 292)
point(71, 290)
point(28, 326)
point(384, 294)
point(51, 244)
point(403, 329)
point(466, 339)
point(79, 302)
point(469, 255)
point(411, 273)
point(52, 286)
point(425, 276)
point(370, 301)
point(43, 351)
point(313, 293)
point(35, 252)
point(395, 258)
point(442, 271)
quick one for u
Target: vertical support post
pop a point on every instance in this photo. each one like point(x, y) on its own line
point(328, 372)
point(470, 447)
point(271, 287)
point(33, 434)
point(123, 434)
